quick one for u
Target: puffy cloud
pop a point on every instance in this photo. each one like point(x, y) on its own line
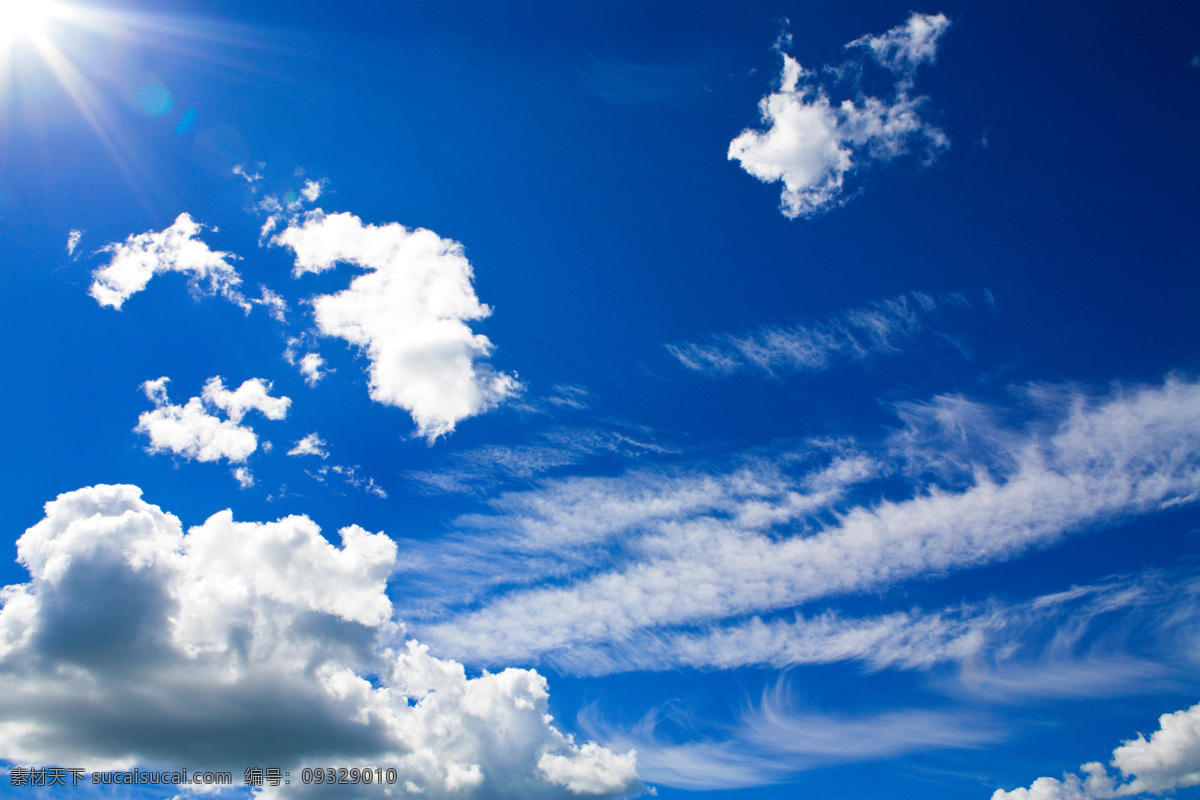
point(858, 333)
point(175, 249)
point(253, 394)
point(195, 432)
point(190, 430)
point(244, 642)
point(811, 144)
point(409, 312)
point(311, 190)
point(1169, 759)
point(643, 552)
point(311, 365)
point(310, 445)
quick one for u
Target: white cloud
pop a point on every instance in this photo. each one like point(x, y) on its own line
point(365, 482)
point(409, 312)
point(486, 467)
point(568, 525)
point(812, 144)
point(73, 241)
point(191, 431)
point(174, 249)
point(253, 395)
point(241, 643)
point(310, 445)
point(250, 177)
point(773, 740)
point(904, 48)
point(276, 306)
point(1169, 759)
point(575, 397)
point(856, 334)
point(244, 477)
point(312, 190)
point(689, 549)
point(311, 365)
point(194, 431)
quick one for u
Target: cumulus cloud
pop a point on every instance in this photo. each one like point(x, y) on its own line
point(1169, 759)
point(410, 313)
point(650, 551)
point(811, 144)
point(134, 643)
point(310, 445)
point(856, 334)
point(311, 365)
point(174, 249)
point(195, 431)
point(252, 395)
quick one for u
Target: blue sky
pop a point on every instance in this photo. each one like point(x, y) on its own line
point(601, 399)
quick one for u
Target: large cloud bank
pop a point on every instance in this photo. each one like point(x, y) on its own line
point(410, 313)
point(244, 643)
point(811, 144)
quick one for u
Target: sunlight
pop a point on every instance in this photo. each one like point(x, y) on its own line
point(102, 59)
point(23, 19)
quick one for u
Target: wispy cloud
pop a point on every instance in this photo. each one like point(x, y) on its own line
point(811, 144)
point(73, 241)
point(484, 468)
point(774, 740)
point(276, 306)
point(349, 475)
point(857, 334)
point(643, 551)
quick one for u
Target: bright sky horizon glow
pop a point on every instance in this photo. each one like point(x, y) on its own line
point(605, 400)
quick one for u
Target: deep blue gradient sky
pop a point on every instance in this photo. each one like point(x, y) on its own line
point(892, 497)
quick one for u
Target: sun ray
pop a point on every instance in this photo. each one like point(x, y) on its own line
point(95, 57)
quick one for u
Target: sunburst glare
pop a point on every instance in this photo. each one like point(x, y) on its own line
point(97, 57)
